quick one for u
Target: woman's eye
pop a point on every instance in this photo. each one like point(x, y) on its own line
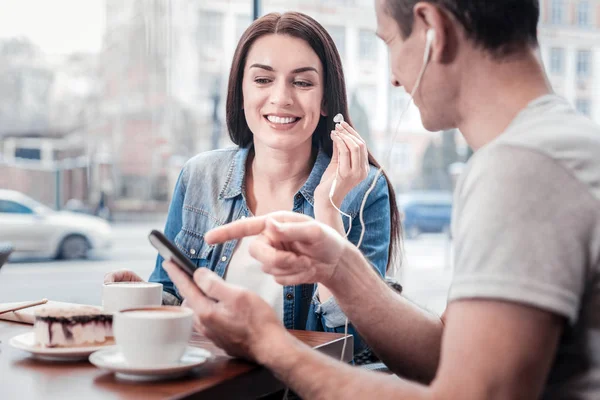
point(262, 81)
point(303, 84)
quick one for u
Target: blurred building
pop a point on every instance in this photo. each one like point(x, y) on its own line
point(570, 46)
point(46, 105)
point(163, 68)
point(26, 77)
point(135, 108)
point(50, 166)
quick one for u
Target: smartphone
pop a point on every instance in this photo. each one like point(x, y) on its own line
point(170, 252)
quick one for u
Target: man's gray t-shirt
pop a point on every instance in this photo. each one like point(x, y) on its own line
point(526, 225)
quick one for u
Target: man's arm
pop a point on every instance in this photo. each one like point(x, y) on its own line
point(491, 350)
point(405, 337)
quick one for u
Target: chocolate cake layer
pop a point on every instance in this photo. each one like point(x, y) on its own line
point(61, 327)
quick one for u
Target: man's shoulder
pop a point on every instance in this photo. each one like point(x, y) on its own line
point(553, 128)
point(558, 138)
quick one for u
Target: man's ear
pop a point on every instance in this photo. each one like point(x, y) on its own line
point(428, 16)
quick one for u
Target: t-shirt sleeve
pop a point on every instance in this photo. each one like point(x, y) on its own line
point(521, 231)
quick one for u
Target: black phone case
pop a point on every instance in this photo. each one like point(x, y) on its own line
point(170, 252)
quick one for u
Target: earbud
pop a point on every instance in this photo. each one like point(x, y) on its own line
point(430, 38)
point(338, 119)
point(429, 42)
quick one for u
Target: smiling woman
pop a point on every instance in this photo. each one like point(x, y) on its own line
point(282, 92)
point(286, 85)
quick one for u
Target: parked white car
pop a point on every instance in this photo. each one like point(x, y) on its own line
point(35, 230)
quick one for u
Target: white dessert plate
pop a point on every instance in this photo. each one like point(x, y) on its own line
point(111, 359)
point(26, 341)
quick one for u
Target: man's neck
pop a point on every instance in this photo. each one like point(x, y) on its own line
point(493, 94)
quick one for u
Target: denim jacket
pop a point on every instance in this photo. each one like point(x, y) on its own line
point(210, 192)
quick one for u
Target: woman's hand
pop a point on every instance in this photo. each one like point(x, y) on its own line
point(122, 275)
point(349, 165)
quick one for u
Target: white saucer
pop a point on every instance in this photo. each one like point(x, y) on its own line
point(111, 359)
point(26, 341)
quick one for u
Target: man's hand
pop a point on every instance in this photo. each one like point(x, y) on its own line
point(197, 323)
point(292, 247)
point(122, 275)
point(239, 321)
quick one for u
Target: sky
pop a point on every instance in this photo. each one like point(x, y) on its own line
point(56, 26)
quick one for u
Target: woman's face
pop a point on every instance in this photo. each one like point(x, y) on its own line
point(283, 91)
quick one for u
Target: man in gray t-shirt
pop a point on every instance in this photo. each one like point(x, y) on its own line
point(523, 317)
point(527, 230)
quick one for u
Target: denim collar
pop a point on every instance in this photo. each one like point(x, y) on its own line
point(234, 184)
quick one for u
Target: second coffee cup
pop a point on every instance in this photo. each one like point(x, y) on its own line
point(121, 295)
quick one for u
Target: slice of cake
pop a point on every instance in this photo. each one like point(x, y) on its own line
point(68, 327)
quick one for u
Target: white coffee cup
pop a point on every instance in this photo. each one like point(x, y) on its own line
point(153, 336)
point(121, 295)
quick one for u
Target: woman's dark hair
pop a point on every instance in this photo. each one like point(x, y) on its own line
point(502, 27)
point(335, 100)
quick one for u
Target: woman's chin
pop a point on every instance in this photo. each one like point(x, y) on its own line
point(283, 142)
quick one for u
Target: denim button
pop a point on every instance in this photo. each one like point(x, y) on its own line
point(223, 258)
point(192, 251)
point(289, 296)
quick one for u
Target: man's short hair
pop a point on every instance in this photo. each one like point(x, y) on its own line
point(502, 27)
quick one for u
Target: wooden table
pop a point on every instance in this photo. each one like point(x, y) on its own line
point(24, 377)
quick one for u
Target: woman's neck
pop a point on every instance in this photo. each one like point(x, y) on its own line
point(273, 176)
